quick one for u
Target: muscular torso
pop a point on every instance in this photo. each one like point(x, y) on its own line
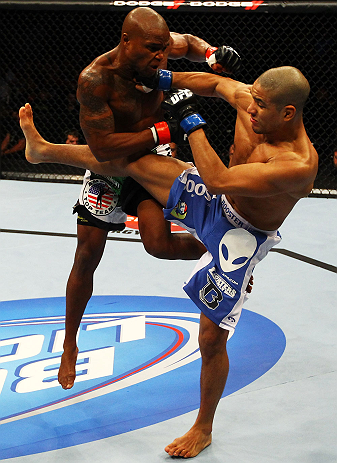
point(111, 105)
point(268, 213)
point(133, 110)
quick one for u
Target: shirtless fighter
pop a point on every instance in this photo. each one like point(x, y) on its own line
point(114, 118)
point(235, 211)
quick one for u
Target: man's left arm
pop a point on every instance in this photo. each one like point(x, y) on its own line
point(223, 59)
point(187, 46)
point(220, 59)
point(286, 174)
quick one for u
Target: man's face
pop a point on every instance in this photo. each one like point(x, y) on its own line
point(265, 117)
point(148, 52)
point(71, 140)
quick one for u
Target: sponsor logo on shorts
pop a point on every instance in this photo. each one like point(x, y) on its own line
point(99, 198)
point(222, 284)
point(197, 188)
point(236, 247)
point(180, 210)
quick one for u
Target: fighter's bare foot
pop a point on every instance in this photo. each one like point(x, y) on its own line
point(190, 444)
point(35, 144)
point(67, 372)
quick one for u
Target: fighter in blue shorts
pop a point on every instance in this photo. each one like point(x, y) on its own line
point(219, 281)
point(273, 166)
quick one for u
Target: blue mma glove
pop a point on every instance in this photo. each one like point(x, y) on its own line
point(182, 105)
point(161, 80)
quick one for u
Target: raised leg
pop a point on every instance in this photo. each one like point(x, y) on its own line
point(38, 150)
point(155, 173)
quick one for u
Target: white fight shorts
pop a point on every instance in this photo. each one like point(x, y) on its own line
point(99, 201)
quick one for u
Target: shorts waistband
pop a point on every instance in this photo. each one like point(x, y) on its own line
point(237, 220)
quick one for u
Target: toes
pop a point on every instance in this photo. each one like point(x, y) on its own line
point(171, 450)
point(66, 383)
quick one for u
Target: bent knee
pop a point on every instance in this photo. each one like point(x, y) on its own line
point(156, 248)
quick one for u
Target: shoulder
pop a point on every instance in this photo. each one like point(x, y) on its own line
point(243, 96)
point(298, 166)
point(96, 71)
point(235, 92)
point(95, 78)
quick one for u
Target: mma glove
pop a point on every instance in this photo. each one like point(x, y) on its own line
point(161, 80)
point(182, 106)
point(168, 131)
point(225, 56)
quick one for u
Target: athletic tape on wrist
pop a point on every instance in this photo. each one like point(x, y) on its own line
point(210, 55)
point(192, 122)
point(154, 133)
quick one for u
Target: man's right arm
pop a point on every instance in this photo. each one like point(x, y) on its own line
point(98, 123)
point(212, 85)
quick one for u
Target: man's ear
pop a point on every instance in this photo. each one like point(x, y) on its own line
point(125, 38)
point(289, 112)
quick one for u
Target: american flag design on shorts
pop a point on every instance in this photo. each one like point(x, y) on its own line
point(99, 198)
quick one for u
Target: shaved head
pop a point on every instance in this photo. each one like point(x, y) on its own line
point(286, 85)
point(142, 21)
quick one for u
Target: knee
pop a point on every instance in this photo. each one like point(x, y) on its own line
point(157, 247)
point(86, 259)
point(213, 342)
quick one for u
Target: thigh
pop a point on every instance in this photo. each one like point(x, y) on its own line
point(157, 174)
point(151, 222)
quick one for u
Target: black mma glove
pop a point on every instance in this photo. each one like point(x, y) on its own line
point(168, 131)
point(182, 106)
point(227, 57)
point(161, 80)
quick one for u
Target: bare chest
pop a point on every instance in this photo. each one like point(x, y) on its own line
point(249, 152)
point(133, 110)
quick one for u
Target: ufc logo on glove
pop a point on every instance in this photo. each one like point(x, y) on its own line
point(180, 95)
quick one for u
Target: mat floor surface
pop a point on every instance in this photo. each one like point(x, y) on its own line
point(136, 392)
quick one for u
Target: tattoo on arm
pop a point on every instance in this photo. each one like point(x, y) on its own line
point(95, 113)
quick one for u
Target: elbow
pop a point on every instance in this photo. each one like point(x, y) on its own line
point(101, 157)
point(100, 154)
point(212, 190)
point(212, 187)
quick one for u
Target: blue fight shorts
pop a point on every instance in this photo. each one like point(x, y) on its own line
point(219, 281)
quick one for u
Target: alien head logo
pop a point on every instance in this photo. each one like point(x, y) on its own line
point(236, 247)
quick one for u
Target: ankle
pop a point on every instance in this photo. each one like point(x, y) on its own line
point(69, 348)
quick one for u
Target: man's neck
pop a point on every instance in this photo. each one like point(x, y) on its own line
point(287, 134)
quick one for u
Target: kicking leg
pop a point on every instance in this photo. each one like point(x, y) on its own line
point(159, 241)
point(155, 173)
point(89, 251)
point(214, 372)
point(38, 150)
